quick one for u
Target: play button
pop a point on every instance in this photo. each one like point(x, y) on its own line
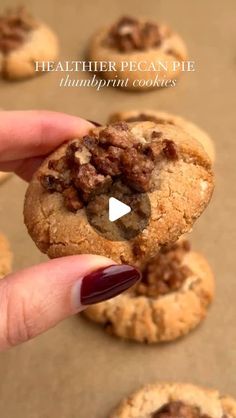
point(117, 209)
point(120, 214)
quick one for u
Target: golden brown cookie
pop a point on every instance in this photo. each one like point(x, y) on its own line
point(164, 117)
point(4, 176)
point(143, 42)
point(24, 40)
point(5, 256)
point(173, 400)
point(172, 298)
point(133, 161)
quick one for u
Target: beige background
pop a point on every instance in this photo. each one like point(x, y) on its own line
point(75, 370)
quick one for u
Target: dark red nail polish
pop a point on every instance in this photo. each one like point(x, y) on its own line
point(94, 123)
point(107, 282)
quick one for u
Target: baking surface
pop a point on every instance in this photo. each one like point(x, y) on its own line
point(76, 370)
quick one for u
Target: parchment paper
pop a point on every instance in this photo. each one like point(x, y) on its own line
point(76, 370)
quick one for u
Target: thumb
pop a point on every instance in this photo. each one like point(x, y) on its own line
point(36, 299)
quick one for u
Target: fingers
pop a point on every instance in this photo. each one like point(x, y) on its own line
point(23, 168)
point(36, 299)
point(26, 134)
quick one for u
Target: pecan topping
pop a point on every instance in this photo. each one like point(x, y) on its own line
point(71, 199)
point(165, 272)
point(178, 409)
point(170, 150)
point(137, 169)
point(90, 182)
point(130, 34)
point(99, 164)
point(14, 28)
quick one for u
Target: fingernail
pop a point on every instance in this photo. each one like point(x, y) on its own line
point(107, 282)
point(94, 123)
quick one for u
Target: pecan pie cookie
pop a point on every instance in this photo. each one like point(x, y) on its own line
point(141, 41)
point(174, 400)
point(136, 160)
point(163, 118)
point(24, 40)
point(171, 299)
point(5, 256)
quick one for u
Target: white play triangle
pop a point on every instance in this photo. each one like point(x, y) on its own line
point(117, 209)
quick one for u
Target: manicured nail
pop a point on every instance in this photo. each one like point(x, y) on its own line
point(107, 282)
point(94, 123)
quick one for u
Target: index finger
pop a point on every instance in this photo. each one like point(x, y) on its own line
point(26, 134)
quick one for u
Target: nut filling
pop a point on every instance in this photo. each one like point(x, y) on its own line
point(178, 409)
point(15, 26)
point(111, 161)
point(129, 34)
point(164, 273)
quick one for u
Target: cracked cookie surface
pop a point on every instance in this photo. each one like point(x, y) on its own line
point(167, 399)
point(5, 256)
point(164, 117)
point(172, 298)
point(180, 190)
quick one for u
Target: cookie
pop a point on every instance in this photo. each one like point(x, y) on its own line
point(135, 42)
point(24, 40)
point(164, 117)
point(136, 161)
point(173, 400)
point(5, 256)
point(4, 176)
point(172, 298)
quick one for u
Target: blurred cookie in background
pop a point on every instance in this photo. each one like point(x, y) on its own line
point(174, 400)
point(131, 40)
point(24, 40)
point(167, 118)
point(172, 298)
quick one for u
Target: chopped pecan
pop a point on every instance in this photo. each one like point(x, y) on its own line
point(53, 183)
point(117, 135)
point(154, 149)
point(90, 182)
point(137, 169)
point(108, 161)
point(170, 150)
point(71, 149)
point(59, 165)
point(165, 272)
point(71, 199)
point(130, 34)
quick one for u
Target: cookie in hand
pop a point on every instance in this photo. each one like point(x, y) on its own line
point(159, 171)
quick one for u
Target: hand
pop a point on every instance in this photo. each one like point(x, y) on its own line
point(36, 299)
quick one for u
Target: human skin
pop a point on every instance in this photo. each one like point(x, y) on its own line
point(37, 298)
